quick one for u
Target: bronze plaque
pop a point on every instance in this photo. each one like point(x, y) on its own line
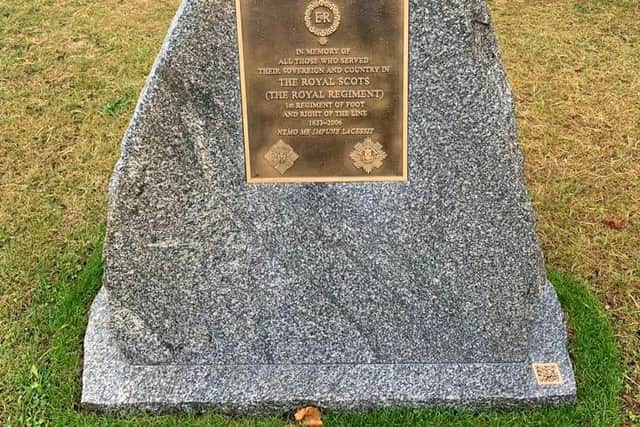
point(324, 89)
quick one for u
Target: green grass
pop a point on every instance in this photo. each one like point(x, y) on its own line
point(50, 385)
point(116, 106)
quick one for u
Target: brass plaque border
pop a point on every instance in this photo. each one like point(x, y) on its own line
point(327, 179)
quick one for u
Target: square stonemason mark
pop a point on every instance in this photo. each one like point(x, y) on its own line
point(328, 79)
point(548, 373)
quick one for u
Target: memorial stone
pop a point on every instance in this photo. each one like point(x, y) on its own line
point(322, 202)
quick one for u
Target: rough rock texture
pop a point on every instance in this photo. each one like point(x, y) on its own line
point(256, 297)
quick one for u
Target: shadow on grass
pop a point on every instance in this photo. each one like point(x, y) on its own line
point(52, 387)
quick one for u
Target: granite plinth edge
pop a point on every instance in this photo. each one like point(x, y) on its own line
point(110, 384)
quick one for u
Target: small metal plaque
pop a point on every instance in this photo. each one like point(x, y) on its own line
point(548, 374)
point(324, 89)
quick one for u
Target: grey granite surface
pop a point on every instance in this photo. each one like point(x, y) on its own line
point(226, 295)
point(112, 383)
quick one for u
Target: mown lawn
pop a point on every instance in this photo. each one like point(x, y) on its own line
point(70, 71)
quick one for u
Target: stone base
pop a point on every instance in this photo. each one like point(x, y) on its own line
point(111, 384)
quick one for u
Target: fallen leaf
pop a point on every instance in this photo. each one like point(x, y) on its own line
point(615, 223)
point(309, 416)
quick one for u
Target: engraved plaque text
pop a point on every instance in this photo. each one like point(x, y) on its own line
point(324, 89)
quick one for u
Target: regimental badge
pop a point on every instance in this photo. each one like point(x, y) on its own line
point(368, 155)
point(281, 156)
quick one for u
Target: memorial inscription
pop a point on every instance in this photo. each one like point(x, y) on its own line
point(324, 90)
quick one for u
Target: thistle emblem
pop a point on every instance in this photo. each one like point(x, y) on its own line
point(368, 155)
point(281, 156)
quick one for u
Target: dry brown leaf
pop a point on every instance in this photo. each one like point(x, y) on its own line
point(309, 416)
point(615, 223)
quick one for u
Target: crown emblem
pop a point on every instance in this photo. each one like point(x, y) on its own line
point(322, 18)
